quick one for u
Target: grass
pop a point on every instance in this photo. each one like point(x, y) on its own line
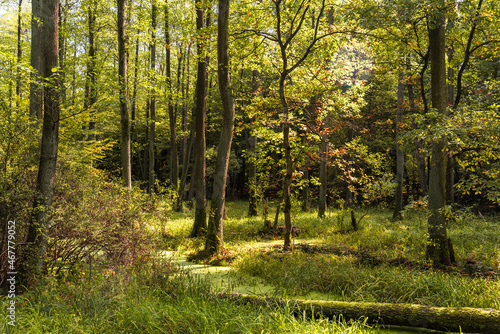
point(153, 302)
point(383, 261)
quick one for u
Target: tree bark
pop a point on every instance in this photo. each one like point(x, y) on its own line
point(91, 79)
point(174, 160)
point(437, 248)
point(215, 236)
point(36, 240)
point(251, 166)
point(454, 319)
point(400, 159)
point(36, 106)
point(19, 53)
point(152, 103)
point(323, 157)
point(419, 157)
point(122, 83)
point(200, 216)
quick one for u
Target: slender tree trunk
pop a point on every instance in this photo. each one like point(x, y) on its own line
point(287, 180)
point(215, 239)
point(200, 216)
point(185, 109)
point(400, 160)
point(306, 204)
point(19, 54)
point(91, 80)
point(437, 248)
point(252, 167)
point(323, 157)
point(152, 103)
point(124, 116)
point(62, 54)
point(133, 128)
point(174, 159)
point(36, 241)
point(36, 106)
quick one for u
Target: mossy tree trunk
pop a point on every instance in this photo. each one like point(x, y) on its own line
point(453, 319)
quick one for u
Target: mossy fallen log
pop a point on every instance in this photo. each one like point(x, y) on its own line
point(453, 319)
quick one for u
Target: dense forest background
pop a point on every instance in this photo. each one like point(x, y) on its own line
point(336, 104)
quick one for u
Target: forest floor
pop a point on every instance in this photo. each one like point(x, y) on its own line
point(383, 262)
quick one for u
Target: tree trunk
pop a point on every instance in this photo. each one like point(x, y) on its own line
point(419, 157)
point(215, 239)
point(185, 109)
point(36, 240)
point(454, 319)
point(400, 159)
point(200, 216)
point(152, 103)
point(36, 91)
point(133, 129)
point(62, 55)
point(124, 117)
point(437, 248)
point(174, 160)
point(287, 180)
point(19, 54)
point(305, 192)
point(252, 167)
point(323, 157)
point(91, 80)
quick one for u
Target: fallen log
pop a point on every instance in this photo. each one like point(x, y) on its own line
point(453, 319)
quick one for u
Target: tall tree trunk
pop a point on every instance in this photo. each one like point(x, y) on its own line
point(185, 96)
point(419, 157)
point(36, 91)
point(152, 103)
point(174, 159)
point(36, 241)
point(19, 54)
point(400, 159)
point(133, 128)
point(124, 116)
point(62, 54)
point(215, 239)
point(252, 167)
point(91, 80)
point(287, 180)
point(200, 216)
point(437, 248)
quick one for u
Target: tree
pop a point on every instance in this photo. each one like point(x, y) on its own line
point(438, 245)
point(36, 239)
point(122, 76)
point(36, 106)
point(200, 216)
point(152, 102)
point(174, 159)
point(215, 239)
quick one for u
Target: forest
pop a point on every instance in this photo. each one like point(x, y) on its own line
point(270, 166)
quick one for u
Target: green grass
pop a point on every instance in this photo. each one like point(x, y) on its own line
point(152, 296)
point(153, 302)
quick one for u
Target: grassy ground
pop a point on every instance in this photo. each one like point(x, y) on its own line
point(383, 261)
